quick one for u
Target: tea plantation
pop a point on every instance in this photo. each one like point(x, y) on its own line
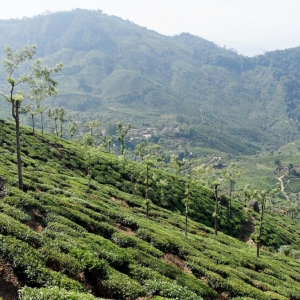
point(59, 241)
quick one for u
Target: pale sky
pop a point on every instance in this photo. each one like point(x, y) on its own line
point(249, 26)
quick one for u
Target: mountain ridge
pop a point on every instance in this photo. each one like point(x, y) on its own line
point(116, 70)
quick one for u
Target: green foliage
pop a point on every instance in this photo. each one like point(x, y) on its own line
point(169, 289)
point(121, 286)
point(240, 288)
point(11, 227)
point(125, 241)
point(100, 243)
point(52, 293)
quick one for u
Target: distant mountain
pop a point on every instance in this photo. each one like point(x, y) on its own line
point(116, 70)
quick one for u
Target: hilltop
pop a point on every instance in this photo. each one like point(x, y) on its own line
point(63, 242)
point(115, 70)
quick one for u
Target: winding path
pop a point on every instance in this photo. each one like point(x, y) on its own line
point(214, 158)
point(282, 187)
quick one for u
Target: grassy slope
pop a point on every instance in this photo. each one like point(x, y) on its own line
point(100, 243)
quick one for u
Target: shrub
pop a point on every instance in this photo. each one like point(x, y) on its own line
point(196, 285)
point(125, 241)
point(165, 243)
point(21, 199)
point(50, 278)
point(116, 256)
point(83, 220)
point(120, 286)
point(22, 257)
point(52, 293)
point(9, 226)
point(240, 288)
point(61, 262)
point(93, 266)
point(14, 212)
point(154, 263)
point(141, 273)
point(274, 296)
point(169, 289)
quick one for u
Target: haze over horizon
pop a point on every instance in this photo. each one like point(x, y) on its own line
point(250, 27)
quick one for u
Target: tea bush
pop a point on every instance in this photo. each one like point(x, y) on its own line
point(10, 226)
point(125, 241)
point(14, 212)
point(121, 286)
point(53, 293)
point(169, 289)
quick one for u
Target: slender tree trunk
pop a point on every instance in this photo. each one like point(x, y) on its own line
point(186, 212)
point(147, 181)
point(230, 196)
point(147, 209)
point(61, 129)
point(32, 119)
point(42, 122)
point(186, 220)
point(147, 186)
point(216, 210)
point(122, 147)
point(56, 131)
point(15, 114)
point(89, 178)
point(260, 227)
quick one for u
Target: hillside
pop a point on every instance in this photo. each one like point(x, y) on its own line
point(115, 70)
point(63, 242)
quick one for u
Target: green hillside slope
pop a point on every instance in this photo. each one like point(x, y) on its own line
point(62, 242)
point(115, 70)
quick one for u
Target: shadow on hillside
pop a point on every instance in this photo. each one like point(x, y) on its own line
point(9, 284)
point(247, 229)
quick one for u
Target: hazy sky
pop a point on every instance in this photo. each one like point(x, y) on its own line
point(249, 26)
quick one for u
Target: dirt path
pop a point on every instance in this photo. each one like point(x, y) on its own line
point(9, 283)
point(214, 158)
point(282, 187)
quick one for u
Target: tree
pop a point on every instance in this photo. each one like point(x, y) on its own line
point(54, 115)
point(230, 174)
point(27, 109)
point(176, 165)
point(91, 125)
point(61, 116)
point(89, 153)
point(216, 213)
point(162, 184)
point(202, 173)
point(186, 202)
point(122, 133)
point(41, 110)
point(261, 196)
point(73, 127)
point(247, 193)
point(150, 157)
point(107, 141)
point(35, 84)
